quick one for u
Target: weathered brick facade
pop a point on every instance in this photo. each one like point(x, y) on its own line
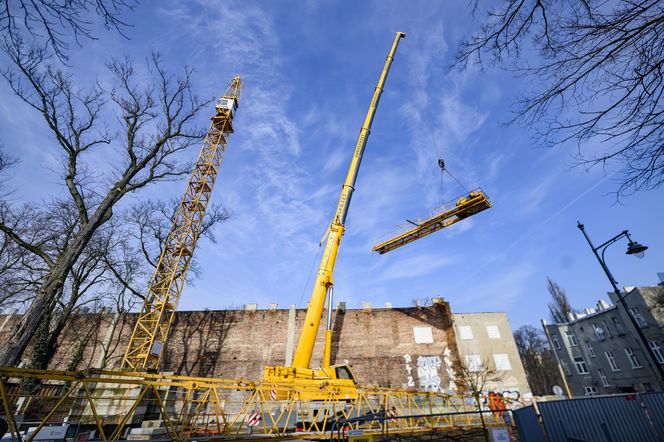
point(379, 343)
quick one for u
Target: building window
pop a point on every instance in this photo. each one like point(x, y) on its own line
point(619, 327)
point(473, 363)
point(590, 391)
point(654, 345)
point(632, 358)
point(466, 332)
point(572, 339)
point(591, 350)
point(603, 378)
point(581, 366)
point(556, 342)
point(493, 332)
point(638, 317)
point(565, 367)
point(607, 329)
point(612, 360)
point(599, 332)
point(502, 362)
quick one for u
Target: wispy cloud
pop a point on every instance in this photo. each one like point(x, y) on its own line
point(498, 292)
point(417, 266)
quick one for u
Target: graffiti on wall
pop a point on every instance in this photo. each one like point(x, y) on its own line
point(409, 369)
point(428, 372)
point(495, 400)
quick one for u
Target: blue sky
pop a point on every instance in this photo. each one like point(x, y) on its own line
point(309, 70)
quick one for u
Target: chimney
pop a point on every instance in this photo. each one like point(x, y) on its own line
point(602, 305)
point(250, 307)
point(272, 307)
point(366, 306)
point(341, 306)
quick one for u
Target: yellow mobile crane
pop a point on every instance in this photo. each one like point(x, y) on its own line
point(339, 377)
point(156, 316)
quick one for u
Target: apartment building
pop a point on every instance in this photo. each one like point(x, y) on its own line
point(599, 349)
point(486, 338)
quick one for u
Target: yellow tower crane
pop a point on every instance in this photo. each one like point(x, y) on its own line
point(154, 320)
point(339, 377)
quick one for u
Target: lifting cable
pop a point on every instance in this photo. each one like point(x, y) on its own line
point(434, 145)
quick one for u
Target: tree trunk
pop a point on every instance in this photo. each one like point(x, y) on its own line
point(43, 303)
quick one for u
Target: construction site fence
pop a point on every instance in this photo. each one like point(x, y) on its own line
point(113, 405)
point(340, 428)
point(631, 417)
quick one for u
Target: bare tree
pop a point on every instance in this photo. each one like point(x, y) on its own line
point(56, 23)
point(599, 65)
point(537, 359)
point(477, 375)
point(156, 124)
point(559, 307)
point(5, 160)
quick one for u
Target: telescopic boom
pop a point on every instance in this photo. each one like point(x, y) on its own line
point(324, 282)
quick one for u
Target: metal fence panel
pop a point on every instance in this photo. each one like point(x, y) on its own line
point(610, 419)
point(654, 403)
point(527, 424)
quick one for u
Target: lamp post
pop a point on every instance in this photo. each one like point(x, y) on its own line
point(636, 249)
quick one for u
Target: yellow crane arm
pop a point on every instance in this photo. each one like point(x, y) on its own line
point(323, 282)
point(156, 316)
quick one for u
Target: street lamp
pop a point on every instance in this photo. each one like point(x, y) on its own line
point(636, 249)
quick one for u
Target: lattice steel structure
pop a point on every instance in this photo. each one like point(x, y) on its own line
point(468, 205)
point(191, 408)
point(154, 321)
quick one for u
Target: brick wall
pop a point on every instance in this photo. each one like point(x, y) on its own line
point(379, 343)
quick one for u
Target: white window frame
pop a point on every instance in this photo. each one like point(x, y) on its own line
point(571, 338)
point(473, 363)
point(581, 366)
point(466, 332)
point(591, 350)
point(657, 350)
point(556, 342)
point(566, 369)
point(590, 391)
point(612, 360)
point(640, 319)
point(502, 362)
point(607, 329)
point(599, 332)
point(633, 360)
point(493, 332)
point(619, 327)
point(603, 378)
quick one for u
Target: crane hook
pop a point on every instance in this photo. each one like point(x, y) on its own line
point(441, 164)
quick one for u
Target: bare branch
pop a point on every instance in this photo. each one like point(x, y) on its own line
point(601, 67)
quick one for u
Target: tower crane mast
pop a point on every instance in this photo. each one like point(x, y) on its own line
point(154, 321)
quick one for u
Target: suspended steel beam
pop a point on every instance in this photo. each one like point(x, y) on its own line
point(464, 207)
